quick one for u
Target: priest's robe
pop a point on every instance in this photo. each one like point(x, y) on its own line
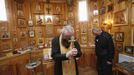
point(58, 57)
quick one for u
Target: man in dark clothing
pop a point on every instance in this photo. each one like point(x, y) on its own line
point(71, 54)
point(104, 48)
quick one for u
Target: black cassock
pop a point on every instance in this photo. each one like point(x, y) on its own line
point(58, 57)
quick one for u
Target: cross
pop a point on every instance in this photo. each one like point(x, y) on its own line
point(72, 41)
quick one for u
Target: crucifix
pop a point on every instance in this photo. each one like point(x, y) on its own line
point(72, 42)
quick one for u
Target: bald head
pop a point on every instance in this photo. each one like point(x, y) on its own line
point(96, 31)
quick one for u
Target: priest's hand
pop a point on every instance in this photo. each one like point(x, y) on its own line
point(74, 52)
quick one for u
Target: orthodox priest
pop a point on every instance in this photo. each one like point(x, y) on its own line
point(65, 51)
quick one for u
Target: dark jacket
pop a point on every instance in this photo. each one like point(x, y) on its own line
point(104, 46)
point(58, 57)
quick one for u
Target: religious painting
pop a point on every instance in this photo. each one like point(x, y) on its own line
point(57, 9)
point(84, 40)
point(30, 23)
point(102, 3)
point(83, 29)
point(23, 34)
point(95, 12)
point(21, 22)
point(119, 36)
point(5, 35)
point(110, 8)
point(121, 18)
point(129, 49)
point(96, 21)
point(132, 17)
point(31, 33)
point(48, 19)
point(119, 47)
point(95, 9)
point(70, 15)
point(4, 26)
point(48, 42)
point(132, 36)
point(102, 10)
point(49, 31)
point(40, 20)
point(56, 19)
point(20, 14)
point(40, 41)
point(70, 22)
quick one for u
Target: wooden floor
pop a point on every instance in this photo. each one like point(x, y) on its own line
point(87, 71)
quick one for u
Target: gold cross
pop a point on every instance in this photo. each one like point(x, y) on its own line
point(72, 42)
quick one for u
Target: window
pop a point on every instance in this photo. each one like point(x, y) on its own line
point(82, 10)
point(3, 15)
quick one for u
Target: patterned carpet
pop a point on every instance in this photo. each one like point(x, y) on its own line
point(87, 71)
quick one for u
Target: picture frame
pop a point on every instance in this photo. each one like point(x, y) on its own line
point(70, 15)
point(84, 39)
point(23, 34)
point(121, 18)
point(129, 49)
point(32, 34)
point(5, 35)
point(83, 29)
point(40, 41)
point(48, 19)
point(102, 10)
point(56, 19)
point(49, 31)
point(119, 47)
point(110, 8)
point(132, 36)
point(20, 14)
point(21, 22)
point(40, 20)
point(119, 36)
point(132, 19)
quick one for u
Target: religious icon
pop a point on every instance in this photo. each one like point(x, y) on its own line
point(58, 9)
point(5, 35)
point(119, 47)
point(119, 36)
point(121, 18)
point(39, 20)
point(20, 14)
point(40, 42)
point(23, 34)
point(48, 19)
point(56, 19)
point(132, 19)
point(129, 49)
point(21, 22)
point(31, 34)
